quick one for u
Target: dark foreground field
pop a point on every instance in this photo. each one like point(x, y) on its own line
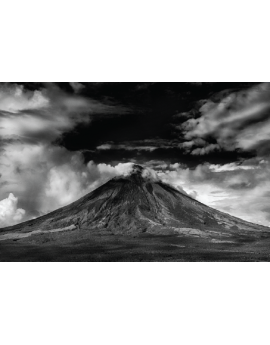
point(82, 245)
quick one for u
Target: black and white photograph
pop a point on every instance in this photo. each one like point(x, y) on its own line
point(134, 172)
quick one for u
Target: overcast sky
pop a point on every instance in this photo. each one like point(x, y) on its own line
point(59, 141)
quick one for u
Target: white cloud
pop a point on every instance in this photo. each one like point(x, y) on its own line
point(72, 180)
point(230, 167)
point(205, 150)
point(175, 166)
point(64, 185)
point(14, 99)
point(9, 213)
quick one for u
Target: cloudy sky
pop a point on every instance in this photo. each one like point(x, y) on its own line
point(59, 141)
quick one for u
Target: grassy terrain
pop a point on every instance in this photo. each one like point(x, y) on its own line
point(83, 245)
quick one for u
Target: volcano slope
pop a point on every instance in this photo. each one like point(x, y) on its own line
point(132, 218)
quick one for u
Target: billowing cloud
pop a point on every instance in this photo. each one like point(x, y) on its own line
point(72, 180)
point(14, 99)
point(9, 213)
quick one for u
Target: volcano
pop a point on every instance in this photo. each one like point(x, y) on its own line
point(136, 203)
point(135, 217)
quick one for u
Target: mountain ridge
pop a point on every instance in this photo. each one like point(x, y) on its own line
point(139, 202)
